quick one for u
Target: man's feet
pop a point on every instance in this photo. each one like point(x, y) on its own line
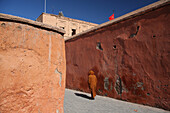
point(92, 98)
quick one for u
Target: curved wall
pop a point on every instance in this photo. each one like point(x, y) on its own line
point(32, 67)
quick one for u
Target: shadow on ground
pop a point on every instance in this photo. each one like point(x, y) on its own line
point(83, 96)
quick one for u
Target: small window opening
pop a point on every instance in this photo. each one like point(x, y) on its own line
point(114, 47)
point(73, 32)
point(154, 36)
point(99, 46)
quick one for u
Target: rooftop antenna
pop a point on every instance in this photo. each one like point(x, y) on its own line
point(60, 13)
point(45, 6)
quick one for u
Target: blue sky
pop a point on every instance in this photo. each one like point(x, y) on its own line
point(96, 11)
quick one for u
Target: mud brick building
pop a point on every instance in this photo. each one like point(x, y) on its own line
point(130, 57)
point(71, 26)
point(32, 66)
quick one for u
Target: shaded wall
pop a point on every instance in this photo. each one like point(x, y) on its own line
point(32, 68)
point(130, 59)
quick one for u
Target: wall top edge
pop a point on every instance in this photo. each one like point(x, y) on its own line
point(30, 22)
point(132, 14)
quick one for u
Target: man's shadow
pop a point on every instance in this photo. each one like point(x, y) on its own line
point(84, 96)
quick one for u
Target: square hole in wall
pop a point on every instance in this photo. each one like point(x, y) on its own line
point(73, 32)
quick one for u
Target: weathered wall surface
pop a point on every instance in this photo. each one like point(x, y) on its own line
point(32, 68)
point(130, 59)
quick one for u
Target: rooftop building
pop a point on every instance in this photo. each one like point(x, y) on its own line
point(71, 26)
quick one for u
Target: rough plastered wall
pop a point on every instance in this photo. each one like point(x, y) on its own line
point(130, 59)
point(32, 69)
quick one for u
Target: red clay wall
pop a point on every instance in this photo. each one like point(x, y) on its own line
point(32, 69)
point(132, 63)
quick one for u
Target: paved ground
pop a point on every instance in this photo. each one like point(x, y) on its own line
point(79, 102)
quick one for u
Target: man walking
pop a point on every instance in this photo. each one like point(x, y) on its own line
point(92, 80)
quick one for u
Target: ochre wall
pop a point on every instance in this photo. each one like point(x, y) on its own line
point(32, 69)
point(132, 63)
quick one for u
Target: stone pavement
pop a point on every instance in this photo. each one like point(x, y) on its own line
point(80, 102)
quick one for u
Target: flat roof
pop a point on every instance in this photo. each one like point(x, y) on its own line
point(132, 14)
point(17, 19)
